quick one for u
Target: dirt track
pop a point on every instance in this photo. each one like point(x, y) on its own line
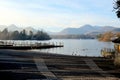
point(25, 65)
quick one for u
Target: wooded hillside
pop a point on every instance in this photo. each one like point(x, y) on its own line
point(108, 36)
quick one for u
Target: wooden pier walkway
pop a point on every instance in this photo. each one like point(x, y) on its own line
point(24, 45)
point(108, 53)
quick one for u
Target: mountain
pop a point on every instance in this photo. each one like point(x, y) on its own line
point(82, 30)
point(13, 27)
point(2, 27)
point(87, 29)
point(28, 29)
point(116, 30)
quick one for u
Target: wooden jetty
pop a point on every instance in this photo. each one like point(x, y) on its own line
point(25, 45)
point(109, 53)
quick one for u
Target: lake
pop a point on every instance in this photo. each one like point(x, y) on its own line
point(78, 47)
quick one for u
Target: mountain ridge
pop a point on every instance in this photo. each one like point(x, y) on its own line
point(13, 27)
point(85, 29)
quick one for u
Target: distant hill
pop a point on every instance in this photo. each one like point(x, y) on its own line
point(28, 29)
point(82, 30)
point(2, 27)
point(87, 29)
point(116, 30)
point(13, 27)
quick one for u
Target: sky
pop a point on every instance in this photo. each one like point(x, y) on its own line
point(55, 15)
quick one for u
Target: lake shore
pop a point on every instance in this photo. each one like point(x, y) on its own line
point(27, 65)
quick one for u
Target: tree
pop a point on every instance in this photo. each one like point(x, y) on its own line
point(40, 35)
point(31, 35)
point(15, 35)
point(117, 8)
point(106, 36)
point(4, 34)
point(23, 35)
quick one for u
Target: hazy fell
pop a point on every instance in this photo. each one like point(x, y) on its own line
point(87, 29)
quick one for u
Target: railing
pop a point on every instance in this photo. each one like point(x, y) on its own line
point(28, 43)
point(107, 52)
point(4, 44)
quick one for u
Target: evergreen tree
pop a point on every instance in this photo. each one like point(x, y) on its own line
point(40, 35)
point(31, 35)
point(15, 35)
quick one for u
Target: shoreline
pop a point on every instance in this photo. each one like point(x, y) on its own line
point(25, 65)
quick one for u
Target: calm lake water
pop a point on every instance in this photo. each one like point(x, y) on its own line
point(78, 47)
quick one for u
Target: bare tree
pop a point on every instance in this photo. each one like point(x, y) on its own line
point(117, 7)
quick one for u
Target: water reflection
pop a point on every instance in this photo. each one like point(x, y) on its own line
point(78, 47)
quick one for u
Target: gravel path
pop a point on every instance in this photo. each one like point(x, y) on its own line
point(42, 68)
point(25, 65)
point(94, 67)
